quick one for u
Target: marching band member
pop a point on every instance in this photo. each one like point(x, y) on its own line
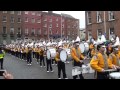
point(60, 65)
point(91, 46)
point(29, 56)
point(77, 57)
point(100, 63)
point(41, 53)
point(2, 54)
point(114, 58)
point(49, 63)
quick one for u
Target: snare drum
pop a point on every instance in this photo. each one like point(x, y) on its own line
point(51, 53)
point(114, 75)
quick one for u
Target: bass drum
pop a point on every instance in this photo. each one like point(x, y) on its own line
point(65, 55)
point(84, 47)
point(51, 53)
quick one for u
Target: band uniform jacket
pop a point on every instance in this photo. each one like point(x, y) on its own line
point(97, 62)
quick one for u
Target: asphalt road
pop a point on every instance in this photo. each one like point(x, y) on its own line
point(21, 70)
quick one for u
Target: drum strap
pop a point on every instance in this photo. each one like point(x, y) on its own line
point(78, 53)
point(105, 62)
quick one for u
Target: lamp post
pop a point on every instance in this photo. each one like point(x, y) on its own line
point(104, 22)
point(61, 25)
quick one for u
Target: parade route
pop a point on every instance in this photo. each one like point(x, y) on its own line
point(21, 70)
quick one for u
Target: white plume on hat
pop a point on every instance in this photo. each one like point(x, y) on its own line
point(77, 39)
point(103, 39)
point(117, 41)
point(60, 43)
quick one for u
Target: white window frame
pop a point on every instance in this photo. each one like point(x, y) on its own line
point(26, 31)
point(39, 20)
point(12, 30)
point(33, 31)
point(45, 19)
point(39, 31)
point(56, 24)
point(45, 25)
point(12, 19)
point(33, 20)
point(18, 20)
point(88, 17)
point(19, 30)
point(98, 36)
point(50, 26)
point(111, 15)
point(50, 20)
point(12, 12)
point(113, 34)
point(26, 12)
point(4, 30)
point(4, 19)
point(4, 11)
point(99, 16)
point(26, 19)
point(19, 12)
point(33, 13)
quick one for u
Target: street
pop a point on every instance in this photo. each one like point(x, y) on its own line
point(20, 70)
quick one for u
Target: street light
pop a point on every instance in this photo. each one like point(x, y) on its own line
point(104, 23)
point(61, 25)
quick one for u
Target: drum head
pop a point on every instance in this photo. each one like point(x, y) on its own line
point(48, 54)
point(115, 75)
point(63, 55)
point(82, 47)
point(86, 46)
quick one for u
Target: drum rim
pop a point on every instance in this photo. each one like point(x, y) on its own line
point(81, 49)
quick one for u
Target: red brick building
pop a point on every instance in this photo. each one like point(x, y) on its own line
point(102, 22)
point(37, 25)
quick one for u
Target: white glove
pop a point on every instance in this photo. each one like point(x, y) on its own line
point(103, 70)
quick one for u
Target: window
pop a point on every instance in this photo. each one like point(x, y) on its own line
point(4, 19)
point(26, 12)
point(89, 17)
point(4, 30)
point(111, 31)
point(99, 33)
point(56, 19)
point(12, 20)
point(45, 32)
point(38, 14)
point(33, 13)
point(19, 20)
point(99, 16)
point(4, 11)
point(39, 31)
point(11, 12)
point(33, 20)
point(57, 25)
point(26, 19)
point(26, 31)
point(50, 31)
point(111, 15)
point(68, 32)
point(50, 26)
point(11, 30)
point(19, 12)
point(33, 31)
point(39, 21)
point(45, 25)
point(19, 30)
point(45, 19)
point(50, 19)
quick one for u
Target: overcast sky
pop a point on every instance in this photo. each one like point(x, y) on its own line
point(77, 14)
